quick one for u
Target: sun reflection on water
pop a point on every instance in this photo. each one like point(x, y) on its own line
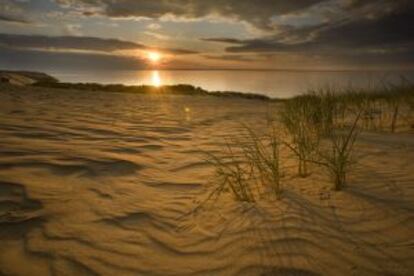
point(156, 79)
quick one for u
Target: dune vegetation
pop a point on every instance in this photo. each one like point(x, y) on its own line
point(249, 167)
point(320, 129)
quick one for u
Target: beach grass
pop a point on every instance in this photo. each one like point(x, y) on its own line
point(337, 156)
point(320, 128)
point(248, 167)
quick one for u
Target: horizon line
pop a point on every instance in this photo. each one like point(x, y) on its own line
point(235, 69)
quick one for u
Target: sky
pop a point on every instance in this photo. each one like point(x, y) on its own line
point(59, 35)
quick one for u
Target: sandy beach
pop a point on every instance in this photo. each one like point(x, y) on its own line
point(109, 183)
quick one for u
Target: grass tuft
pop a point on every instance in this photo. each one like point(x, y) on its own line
point(338, 157)
point(248, 167)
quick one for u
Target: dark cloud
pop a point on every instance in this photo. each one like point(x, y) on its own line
point(12, 12)
point(77, 43)
point(21, 59)
point(356, 4)
point(238, 58)
point(257, 13)
point(382, 32)
point(393, 28)
point(224, 40)
point(66, 42)
point(12, 19)
point(177, 51)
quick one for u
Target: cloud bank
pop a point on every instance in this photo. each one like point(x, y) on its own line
point(257, 13)
point(268, 33)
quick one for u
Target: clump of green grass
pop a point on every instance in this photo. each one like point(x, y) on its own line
point(385, 107)
point(307, 119)
point(248, 168)
point(337, 157)
point(321, 126)
point(263, 158)
point(232, 175)
point(397, 98)
point(317, 130)
point(302, 140)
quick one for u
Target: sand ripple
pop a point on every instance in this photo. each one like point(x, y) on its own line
point(106, 184)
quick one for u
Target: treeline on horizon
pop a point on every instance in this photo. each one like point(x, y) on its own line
point(178, 89)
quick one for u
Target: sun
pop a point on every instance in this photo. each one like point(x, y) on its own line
point(154, 57)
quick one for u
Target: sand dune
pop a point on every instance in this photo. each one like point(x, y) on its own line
point(107, 183)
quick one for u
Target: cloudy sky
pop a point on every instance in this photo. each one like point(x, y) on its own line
point(206, 34)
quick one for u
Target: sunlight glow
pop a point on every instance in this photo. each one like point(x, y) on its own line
point(155, 79)
point(154, 57)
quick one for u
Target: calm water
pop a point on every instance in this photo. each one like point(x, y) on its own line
point(281, 84)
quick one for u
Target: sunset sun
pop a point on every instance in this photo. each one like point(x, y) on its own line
point(154, 57)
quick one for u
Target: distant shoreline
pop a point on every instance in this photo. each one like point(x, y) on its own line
point(39, 79)
point(177, 89)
